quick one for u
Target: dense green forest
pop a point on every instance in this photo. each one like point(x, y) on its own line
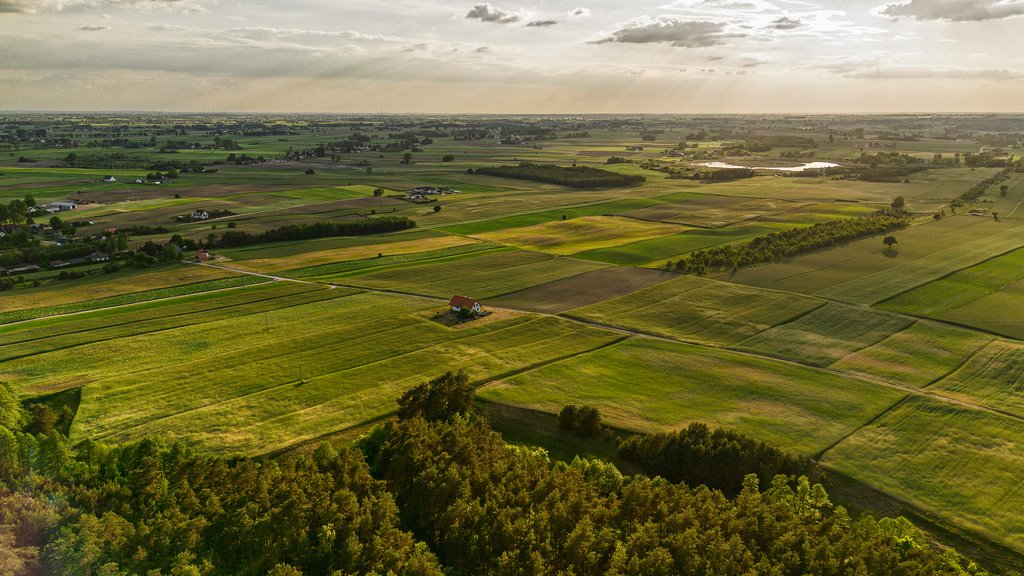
point(574, 176)
point(774, 245)
point(235, 238)
point(433, 492)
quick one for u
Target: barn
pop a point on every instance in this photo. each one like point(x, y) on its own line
point(460, 303)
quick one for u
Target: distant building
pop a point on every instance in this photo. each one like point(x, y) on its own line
point(458, 303)
point(24, 269)
point(202, 255)
point(109, 179)
point(60, 206)
point(200, 215)
point(98, 256)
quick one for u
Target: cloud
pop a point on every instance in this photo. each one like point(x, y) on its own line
point(15, 7)
point(954, 10)
point(488, 13)
point(94, 28)
point(541, 23)
point(785, 23)
point(881, 71)
point(672, 31)
point(579, 12)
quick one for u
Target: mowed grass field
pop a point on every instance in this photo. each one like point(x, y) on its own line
point(649, 385)
point(656, 251)
point(482, 275)
point(580, 234)
point(826, 334)
point(699, 310)
point(961, 464)
point(268, 379)
point(988, 296)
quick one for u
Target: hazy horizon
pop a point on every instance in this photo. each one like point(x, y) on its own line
point(512, 57)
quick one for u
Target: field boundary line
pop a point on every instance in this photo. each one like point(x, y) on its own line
point(957, 368)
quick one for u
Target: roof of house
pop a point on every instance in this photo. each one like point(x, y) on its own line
point(462, 302)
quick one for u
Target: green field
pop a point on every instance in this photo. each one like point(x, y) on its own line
point(482, 275)
point(648, 385)
point(656, 251)
point(699, 310)
point(983, 295)
point(865, 272)
point(960, 464)
point(993, 377)
point(581, 290)
point(826, 334)
point(258, 382)
point(918, 355)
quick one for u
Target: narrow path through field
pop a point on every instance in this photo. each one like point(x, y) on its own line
point(250, 273)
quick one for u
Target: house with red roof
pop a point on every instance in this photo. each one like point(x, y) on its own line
point(460, 303)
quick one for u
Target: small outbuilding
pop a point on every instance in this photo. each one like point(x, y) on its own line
point(460, 303)
point(109, 179)
point(202, 255)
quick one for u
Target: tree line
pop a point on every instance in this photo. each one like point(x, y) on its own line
point(433, 492)
point(775, 245)
point(572, 176)
point(235, 238)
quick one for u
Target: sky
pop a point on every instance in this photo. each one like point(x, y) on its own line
point(513, 56)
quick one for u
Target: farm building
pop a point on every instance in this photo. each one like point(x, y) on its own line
point(98, 256)
point(60, 206)
point(458, 303)
point(200, 215)
point(109, 179)
point(202, 255)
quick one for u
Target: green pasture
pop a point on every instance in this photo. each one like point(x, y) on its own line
point(959, 464)
point(656, 251)
point(581, 290)
point(993, 377)
point(648, 385)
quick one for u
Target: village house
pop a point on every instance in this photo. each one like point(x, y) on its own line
point(98, 256)
point(459, 303)
point(200, 215)
point(202, 255)
point(109, 179)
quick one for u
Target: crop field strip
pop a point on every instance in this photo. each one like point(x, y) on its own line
point(698, 310)
point(581, 290)
point(249, 369)
point(110, 286)
point(581, 234)
point(131, 298)
point(483, 275)
point(326, 272)
point(104, 327)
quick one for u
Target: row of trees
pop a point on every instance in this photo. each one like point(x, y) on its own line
point(234, 238)
point(434, 492)
point(572, 176)
point(980, 188)
point(775, 245)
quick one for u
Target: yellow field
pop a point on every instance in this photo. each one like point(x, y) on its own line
point(319, 257)
point(579, 234)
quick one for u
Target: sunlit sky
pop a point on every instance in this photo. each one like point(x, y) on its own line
point(513, 56)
